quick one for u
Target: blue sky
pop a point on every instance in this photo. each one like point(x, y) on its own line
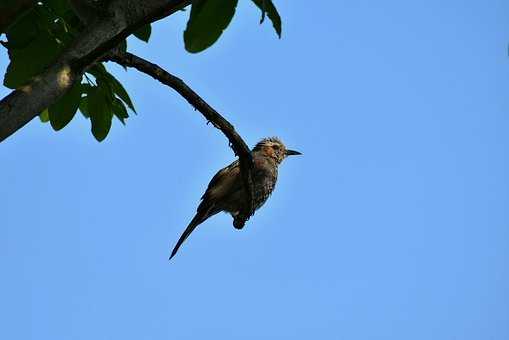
point(393, 225)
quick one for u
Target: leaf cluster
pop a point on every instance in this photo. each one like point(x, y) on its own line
point(37, 37)
point(209, 18)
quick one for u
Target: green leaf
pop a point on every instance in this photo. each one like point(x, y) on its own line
point(101, 102)
point(100, 73)
point(23, 65)
point(143, 33)
point(267, 7)
point(206, 23)
point(100, 113)
point(31, 49)
point(121, 92)
point(84, 107)
point(44, 116)
point(85, 87)
point(23, 31)
point(63, 111)
point(119, 110)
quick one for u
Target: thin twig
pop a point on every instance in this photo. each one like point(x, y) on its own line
point(238, 145)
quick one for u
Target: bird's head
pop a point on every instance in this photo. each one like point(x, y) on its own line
point(274, 148)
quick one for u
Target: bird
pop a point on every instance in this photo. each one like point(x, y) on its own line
point(225, 191)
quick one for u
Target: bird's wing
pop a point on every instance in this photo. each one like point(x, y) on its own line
point(223, 182)
point(220, 185)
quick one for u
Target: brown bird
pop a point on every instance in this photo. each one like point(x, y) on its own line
point(226, 190)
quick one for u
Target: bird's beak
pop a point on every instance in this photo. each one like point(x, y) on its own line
point(292, 152)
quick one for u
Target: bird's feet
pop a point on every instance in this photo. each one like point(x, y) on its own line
point(238, 222)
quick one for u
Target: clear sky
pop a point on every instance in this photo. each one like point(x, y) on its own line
point(393, 225)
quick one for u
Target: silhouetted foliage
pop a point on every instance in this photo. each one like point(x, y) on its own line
point(38, 33)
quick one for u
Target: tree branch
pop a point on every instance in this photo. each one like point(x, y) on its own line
point(121, 19)
point(236, 142)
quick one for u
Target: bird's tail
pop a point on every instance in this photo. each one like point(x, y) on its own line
point(200, 216)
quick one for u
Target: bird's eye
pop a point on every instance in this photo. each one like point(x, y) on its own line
point(276, 147)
